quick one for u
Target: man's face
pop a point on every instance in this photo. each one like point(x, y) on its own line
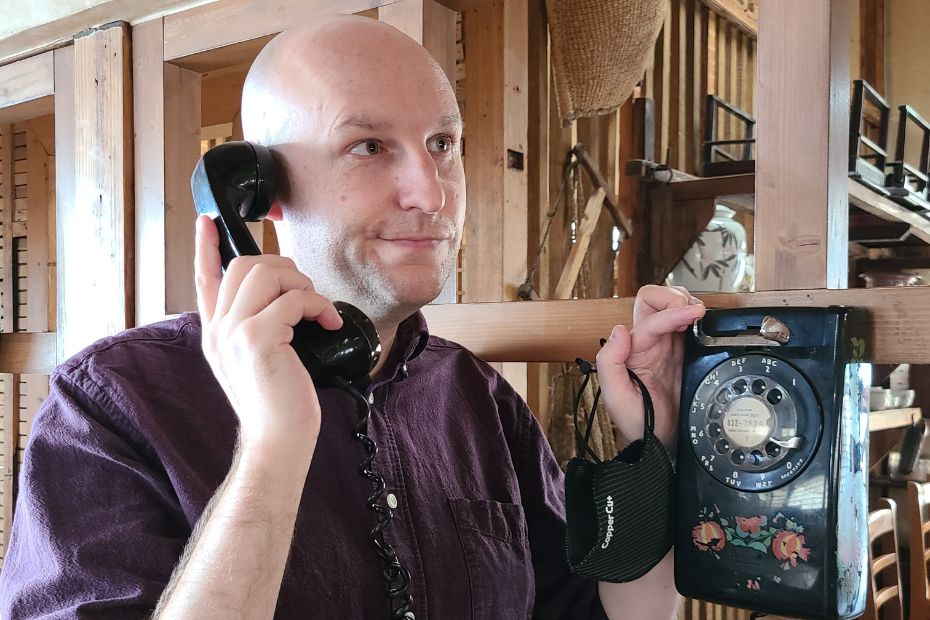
point(376, 198)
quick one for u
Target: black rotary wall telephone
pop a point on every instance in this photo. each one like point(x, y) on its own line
point(234, 183)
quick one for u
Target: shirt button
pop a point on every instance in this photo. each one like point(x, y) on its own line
point(391, 501)
point(371, 398)
point(404, 370)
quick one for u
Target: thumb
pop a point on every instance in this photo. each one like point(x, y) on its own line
point(621, 396)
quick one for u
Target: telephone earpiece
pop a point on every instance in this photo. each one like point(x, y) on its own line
point(234, 183)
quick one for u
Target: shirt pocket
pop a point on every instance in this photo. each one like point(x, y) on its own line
point(500, 569)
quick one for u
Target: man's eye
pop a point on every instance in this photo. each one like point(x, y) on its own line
point(368, 147)
point(440, 144)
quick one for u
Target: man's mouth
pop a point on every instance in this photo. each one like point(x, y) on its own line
point(416, 241)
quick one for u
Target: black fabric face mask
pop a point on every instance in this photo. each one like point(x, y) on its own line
point(619, 513)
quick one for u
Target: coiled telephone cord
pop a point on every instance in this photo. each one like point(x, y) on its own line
point(396, 578)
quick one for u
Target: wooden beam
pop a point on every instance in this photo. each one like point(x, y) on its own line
point(65, 164)
point(42, 106)
point(560, 331)
point(585, 230)
point(537, 168)
point(95, 225)
point(737, 12)
point(182, 92)
point(23, 353)
point(26, 80)
point(893, 418)
point(227, 22)
point(148, 86)
point(801, 221)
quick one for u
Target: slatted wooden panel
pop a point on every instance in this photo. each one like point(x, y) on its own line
point(25, 268)
point(7, 201)
point(8, 436)
point(33, 390)
point(21, 396)
point(701, 50)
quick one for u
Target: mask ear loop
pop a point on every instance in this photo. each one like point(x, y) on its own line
point(581, 441)
point(582, 447)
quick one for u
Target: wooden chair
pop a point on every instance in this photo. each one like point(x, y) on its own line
point(918, 521)
point(882, 526)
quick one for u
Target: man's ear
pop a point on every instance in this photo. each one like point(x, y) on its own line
point(274, 213)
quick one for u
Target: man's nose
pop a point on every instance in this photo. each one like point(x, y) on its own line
point(419, 184)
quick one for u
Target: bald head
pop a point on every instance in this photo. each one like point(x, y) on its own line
point(304, 69)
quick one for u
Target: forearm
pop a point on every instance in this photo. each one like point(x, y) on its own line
point(234, 563)
point(651, 597)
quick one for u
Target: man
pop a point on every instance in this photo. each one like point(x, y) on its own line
point(212, 420)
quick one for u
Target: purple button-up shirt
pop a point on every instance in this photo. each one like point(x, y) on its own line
point(137, 435)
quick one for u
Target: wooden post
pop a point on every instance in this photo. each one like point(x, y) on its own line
point(94, 224)
point(495, 249)
point(37, 294)
point(802, 103)
point(167, 119)
point(538, 197)
point(149, 121)
point(7, 309)
point(10, 430)
point(182, 150)
point(433, 26)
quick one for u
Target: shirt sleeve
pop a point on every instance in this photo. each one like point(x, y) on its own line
point(97, 528)
point(560, 594)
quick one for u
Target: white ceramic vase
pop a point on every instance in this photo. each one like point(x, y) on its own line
point(717, 262)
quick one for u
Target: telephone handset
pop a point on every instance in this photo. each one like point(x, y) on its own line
point(234, 183)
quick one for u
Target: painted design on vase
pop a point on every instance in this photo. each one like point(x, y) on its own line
point(779, 535)
point(718, 259)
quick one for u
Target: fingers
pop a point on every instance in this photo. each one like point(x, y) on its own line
point(240, 268)
point(653, 298)
point(655, 326)
point(296, 305)
point(208, 271)
point(616, 383)
point(261, 285)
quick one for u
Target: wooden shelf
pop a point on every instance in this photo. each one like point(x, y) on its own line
point(893, 418)
point(872, 202)
point(737, 190)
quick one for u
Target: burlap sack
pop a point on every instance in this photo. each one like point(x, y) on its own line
point(600, 49)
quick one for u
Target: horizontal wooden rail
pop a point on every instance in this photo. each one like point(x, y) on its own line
point(560, 331)
point(24, 353)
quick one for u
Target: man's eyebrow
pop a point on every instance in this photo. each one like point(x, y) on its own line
point(362, 122)
point(451, 119)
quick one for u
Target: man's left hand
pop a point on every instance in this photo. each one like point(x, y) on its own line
point(653, 349)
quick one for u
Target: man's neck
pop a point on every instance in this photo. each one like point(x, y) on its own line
point(388, 335)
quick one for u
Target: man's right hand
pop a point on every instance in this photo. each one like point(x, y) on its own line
point(248, 316)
